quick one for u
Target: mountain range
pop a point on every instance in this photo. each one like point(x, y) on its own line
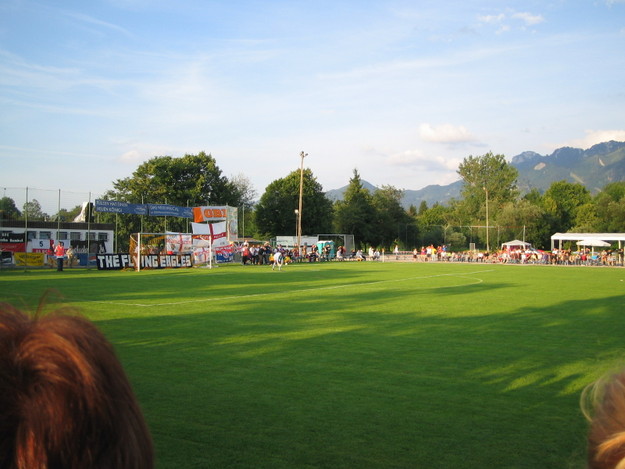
point(594, 168)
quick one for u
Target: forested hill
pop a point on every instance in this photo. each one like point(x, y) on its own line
point(594, 168)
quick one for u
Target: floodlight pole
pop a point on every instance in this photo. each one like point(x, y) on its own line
point(301, 193)
point(487, 243)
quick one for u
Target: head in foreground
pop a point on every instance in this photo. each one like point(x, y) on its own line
point(65, 400)
point(603, 404)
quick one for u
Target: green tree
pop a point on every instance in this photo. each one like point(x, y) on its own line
point(534, 197)
point(69, 215)
point(391, 224)
point(247, 194)
point(561, 202)
point(524, 220)
point(8, 209)
point(32, 211)
point(615, 191)
point(244, 190)
point(586, 219)
point(456, 239)
point(434, 224)
point(610, 208)
point(275, 212)
point(192, 180)
point(423, 206)
point(355, 213)
point(487, 176)
point(613, 219)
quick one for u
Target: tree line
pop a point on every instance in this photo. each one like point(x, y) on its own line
point(490, 209)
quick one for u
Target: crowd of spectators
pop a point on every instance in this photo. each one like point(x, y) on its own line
point(261, 254)
point(606, 257)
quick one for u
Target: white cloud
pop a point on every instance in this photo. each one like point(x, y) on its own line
point(140, 152)
point(529, 18)
point(405, 158)
point(445, 133)
point(131, 156)
point(503, 29)
point(502, 20)
point(418, 160)
point(492, 19)
point(99, 23)
point(593, 137)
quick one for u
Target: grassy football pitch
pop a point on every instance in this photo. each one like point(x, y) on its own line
point(356, 365)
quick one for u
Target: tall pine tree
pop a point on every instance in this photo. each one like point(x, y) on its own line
point(355, 214)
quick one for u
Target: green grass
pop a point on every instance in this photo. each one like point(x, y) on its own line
point(376, 365)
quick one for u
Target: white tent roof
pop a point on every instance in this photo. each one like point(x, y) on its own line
point(516, 242)
point(579, 236)
point(592, 242)
point(559, 237)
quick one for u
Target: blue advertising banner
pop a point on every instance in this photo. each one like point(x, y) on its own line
point(163, 210)
point(114, 206)
point(155, 210)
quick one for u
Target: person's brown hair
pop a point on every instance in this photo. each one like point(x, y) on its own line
point(603, 404)
point(65, 400)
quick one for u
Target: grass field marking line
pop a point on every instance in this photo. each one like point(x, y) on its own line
point(305, 290)
point(118, 303)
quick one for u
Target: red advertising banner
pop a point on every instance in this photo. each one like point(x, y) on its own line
point(202, 214)
point(13, 247)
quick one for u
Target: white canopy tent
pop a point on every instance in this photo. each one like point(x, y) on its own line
point(606, 237)
point(516, 244)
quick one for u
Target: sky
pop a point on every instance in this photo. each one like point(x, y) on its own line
point(401, 91)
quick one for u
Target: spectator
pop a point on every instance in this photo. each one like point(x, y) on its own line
point(59, 253)
point(603, 404)
point(340, 252)
point(65, 401)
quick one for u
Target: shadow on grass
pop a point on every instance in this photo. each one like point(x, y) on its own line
point(343, 367)
point(154, 287)
point(361, 380)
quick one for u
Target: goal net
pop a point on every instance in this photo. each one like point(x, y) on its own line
point(161, 250)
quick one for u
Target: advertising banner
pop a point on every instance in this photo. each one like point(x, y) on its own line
point(150, 261)
point(223, 213)
point(219, 234)
point(41, 245)
point(162, 210)
point(179, 242)
point(155, 210)
point(32, 259)
point(224, 254)
point(114, 206)
point(13, 247)
point(11, 237)
point(203, 234)
point(212, 213)
point(201, 255)
point(233, 223)
point(216, 230)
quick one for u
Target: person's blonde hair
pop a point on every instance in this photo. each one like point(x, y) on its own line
point(603, 404)
point(65, 400)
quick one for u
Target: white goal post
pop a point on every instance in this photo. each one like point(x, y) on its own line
point(161, 250)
